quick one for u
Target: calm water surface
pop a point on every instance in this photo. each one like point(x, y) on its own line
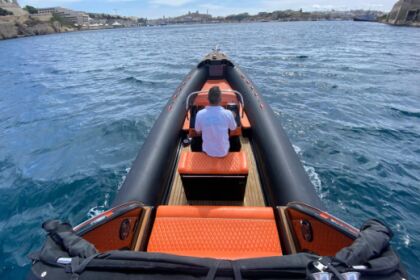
point(75, 109)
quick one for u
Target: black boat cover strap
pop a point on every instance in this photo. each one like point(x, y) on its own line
point(370, 250)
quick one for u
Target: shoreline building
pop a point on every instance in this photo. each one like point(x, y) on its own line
point(405, 12)
point(69, 16)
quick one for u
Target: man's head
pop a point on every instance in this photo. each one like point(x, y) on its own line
point(215, 96)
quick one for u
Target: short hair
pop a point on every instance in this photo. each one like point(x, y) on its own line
point(215, 95)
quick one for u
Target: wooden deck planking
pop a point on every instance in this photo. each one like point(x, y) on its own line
point(253, 192)
point(177, 196)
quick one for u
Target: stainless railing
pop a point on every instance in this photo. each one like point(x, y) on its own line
point(187, 102)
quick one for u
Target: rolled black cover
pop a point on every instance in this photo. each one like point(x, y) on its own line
point(151, 171)
point(381, 263)
point(373, 239)
point(282, 174)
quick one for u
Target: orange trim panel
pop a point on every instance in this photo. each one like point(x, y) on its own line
point(234, 163)
point(217, 232)
point(186, 125)
point(327, 241)
point(106, 237)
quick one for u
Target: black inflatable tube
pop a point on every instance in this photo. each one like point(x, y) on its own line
point(149, 176)
point(284, 178)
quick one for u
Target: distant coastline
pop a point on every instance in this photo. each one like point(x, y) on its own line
point(284, 15)
point(16, 22)
point(26, 24)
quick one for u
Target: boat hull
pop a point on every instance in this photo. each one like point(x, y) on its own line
point(147, 236)
point(150, 174)
point(283, 177)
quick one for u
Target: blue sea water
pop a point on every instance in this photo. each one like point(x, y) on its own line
point(75, 109)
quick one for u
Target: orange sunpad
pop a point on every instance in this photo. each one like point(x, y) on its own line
point(227, 97)
point(224, 232)
point(222, 84)
point(197, 163)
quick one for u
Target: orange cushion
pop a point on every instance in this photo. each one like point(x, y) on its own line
point(227, 97)
point(223, 232)
point(222, 84)
point(197, 163)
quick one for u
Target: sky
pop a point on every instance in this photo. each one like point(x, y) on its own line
point(159, 8)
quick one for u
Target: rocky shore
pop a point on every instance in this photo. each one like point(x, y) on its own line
point(404, 13)
point(26, 25)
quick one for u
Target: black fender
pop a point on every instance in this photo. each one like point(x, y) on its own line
point(283, 177)
point(151, 172)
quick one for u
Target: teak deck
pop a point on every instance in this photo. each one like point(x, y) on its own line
point(253, 191)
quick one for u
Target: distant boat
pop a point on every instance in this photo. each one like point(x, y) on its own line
point(116, 24)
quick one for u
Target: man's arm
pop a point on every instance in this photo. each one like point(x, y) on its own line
point(198, 125)
point(232, 122)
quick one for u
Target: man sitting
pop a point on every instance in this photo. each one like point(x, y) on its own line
point(214, 123)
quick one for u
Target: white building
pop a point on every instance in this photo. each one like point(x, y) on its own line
point(69, 16)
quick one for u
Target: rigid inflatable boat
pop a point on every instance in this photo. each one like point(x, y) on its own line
point(182, 214)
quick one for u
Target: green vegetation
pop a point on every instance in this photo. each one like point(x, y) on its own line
point(276, 15)
point(142, 21)
point(30, 9)
point(57, 18)
point(4, 12)
point(61, 20)
point(238, 17)
point(382, 18)
point(104, 16)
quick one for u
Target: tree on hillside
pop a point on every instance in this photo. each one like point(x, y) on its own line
point(238, 17)
point(142, 20)
point(30, 9)
point(4, 12)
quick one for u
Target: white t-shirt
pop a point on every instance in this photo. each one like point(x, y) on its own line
point(214, 122)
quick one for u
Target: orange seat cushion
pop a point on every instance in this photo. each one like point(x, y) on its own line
point(223, 232)
point(196, 163)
